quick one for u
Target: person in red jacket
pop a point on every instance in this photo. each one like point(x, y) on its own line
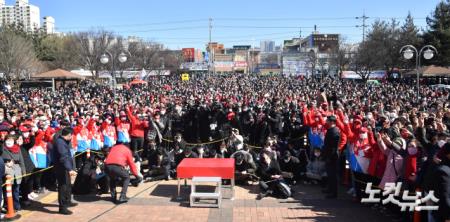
point(137, 132)
point(118, 158)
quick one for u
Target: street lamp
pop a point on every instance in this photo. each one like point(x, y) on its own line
point(104, 59)
point(428, 52)
point(325, 68)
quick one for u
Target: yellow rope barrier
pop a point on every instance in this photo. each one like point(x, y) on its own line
point(167, 140)
point(40, 171)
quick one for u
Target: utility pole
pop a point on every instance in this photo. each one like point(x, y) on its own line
point(209, 47)
point(363, 18)
point(300, 40)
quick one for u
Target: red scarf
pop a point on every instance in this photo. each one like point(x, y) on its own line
point(14, 149)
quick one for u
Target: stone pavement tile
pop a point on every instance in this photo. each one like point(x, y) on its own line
point(157, 201)
point(80, 213)
point(154, 213)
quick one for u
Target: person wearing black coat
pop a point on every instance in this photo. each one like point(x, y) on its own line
point(64, 168)
point(187, 153)
point(290, 167)
point(330, 149)
point(270, 175)
point(441, 185)
point(26, 187)
point(245, 167)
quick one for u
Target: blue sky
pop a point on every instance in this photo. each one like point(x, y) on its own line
point(182, 23)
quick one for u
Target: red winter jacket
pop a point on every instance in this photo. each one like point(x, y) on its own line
point(121, 155)
point(137, 126)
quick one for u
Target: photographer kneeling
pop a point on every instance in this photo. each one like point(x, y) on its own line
point(118, 158)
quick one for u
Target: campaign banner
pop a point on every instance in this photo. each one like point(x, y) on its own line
point(377, 74)
point(240, 64)
point(223, 64)
point(188, 54)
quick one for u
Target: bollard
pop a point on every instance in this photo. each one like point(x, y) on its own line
point(305, 141)
point(10, 215)
point(88, 153)
point(346, 178)
point(416, 216)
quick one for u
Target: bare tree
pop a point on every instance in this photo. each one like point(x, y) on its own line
point(341, 56)
point(271, 58)
point(17, 57)
point(364, 61)
point(90, 46)
point(145, 54)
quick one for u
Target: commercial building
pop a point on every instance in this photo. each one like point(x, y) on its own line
point(215, 47)
point(22, 13)
point(267, 46)
point(325, 43)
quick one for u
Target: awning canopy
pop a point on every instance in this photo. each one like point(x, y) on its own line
point(430, 71)
point(137, 81)
point(57, 74)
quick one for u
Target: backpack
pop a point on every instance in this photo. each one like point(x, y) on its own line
point(85, 182)
point(283, 190)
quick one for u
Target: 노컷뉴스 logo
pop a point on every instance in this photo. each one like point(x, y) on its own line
point(391, 194)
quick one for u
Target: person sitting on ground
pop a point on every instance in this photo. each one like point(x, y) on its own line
point(245, 167)
point(271, 182)
point(316, 168)
point(290, 167)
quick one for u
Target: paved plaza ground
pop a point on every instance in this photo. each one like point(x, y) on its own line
point(156, 201)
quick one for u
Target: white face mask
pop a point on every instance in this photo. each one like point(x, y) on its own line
point(9, 143)
point(441, 143)
point(163, 112)
point(19, 142)
point(26, 134)
point(213, 126)
point(317, 154)
point(363, 136)
point(178, 139)
point(108, 121)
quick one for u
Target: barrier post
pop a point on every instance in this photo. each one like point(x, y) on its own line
point(10, 215)
point(346, 174)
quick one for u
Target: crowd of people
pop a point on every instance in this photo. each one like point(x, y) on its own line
point(280, 130)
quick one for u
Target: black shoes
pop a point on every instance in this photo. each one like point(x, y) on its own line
point(72, 204)
point(65, 211)
point(263, 194)
point(122, 199)
point(113, 196)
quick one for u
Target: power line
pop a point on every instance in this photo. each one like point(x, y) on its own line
point(166, 29)
point(224, 19)
point(141, 24)
point(280, 27)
